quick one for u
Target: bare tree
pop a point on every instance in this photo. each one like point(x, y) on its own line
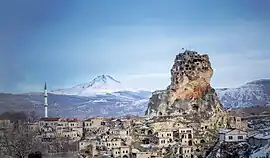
point(33, 117)
point(18, 142)
point(62, 146)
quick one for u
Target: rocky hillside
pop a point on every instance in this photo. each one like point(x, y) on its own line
point(190, 89)
point(191, 96)
point(111, 104)
point(255, 93)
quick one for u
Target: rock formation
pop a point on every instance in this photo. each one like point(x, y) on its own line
point(189, 91)
point(191, 98)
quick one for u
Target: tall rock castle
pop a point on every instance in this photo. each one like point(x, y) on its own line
point(190, 99)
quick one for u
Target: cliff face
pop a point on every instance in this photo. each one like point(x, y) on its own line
point(189, 91)
point(191, 100)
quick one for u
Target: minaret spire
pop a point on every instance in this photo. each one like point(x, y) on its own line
point(45, 100)
point(45, 87)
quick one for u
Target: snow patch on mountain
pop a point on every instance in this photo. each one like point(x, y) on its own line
point(99, 85)
point(251, 94)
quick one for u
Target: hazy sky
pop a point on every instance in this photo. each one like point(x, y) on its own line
point(67, 42)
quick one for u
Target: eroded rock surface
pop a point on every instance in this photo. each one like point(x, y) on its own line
point(189, 91)
point(191, 101)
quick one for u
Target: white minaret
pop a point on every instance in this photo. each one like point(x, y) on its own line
point(45, 100)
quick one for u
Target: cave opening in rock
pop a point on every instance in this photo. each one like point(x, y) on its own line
point(190, 142)
point(146, 141)
point(195, 107)
point(202, 141)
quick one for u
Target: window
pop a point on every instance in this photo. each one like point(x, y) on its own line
point(230, 137)
point(240, 137)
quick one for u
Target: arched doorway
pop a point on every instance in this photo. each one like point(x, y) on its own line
point(125, 156)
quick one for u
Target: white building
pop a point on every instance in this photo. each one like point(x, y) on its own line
point(232, 135)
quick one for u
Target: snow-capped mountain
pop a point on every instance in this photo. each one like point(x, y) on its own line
point(254, 93)
point(100, 85)
point(77, 101)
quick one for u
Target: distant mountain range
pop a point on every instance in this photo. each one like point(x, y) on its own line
point(254, 93)
point(106, 96)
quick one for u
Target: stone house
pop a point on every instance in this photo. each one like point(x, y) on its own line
point(121, 132)
point(238, 123)
point(93, 123)
point(186, 152)
point(51, 128)
point(84, 144)
point(48, 122)
point(186, 136)
point(232, 135)
point(165, 138)
point(259, 140)
point(32, 127)
point(165, 124)
point(5, 123)
point(123, 152)
point(183, 151)
point(89, 147)
point(47, 136)
point(135, 153)
point(72, 135)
